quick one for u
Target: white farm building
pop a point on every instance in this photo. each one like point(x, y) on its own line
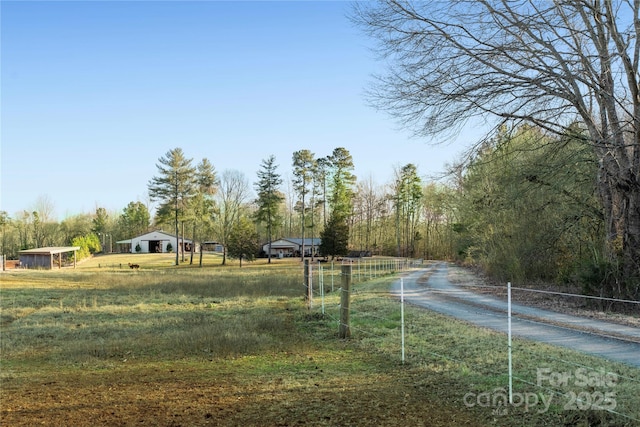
point(154, 242)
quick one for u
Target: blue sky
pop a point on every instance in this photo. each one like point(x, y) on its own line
point(93, 93)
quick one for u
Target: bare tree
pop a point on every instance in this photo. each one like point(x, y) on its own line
point(290, 203)
point(232, 195)
point(550, 63)
point(367, 203)
point(45, 208)
point(44, 225)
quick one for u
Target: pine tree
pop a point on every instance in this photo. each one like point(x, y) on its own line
point(243, 241)
point(173, 186)
point(203, 204)
point(342, 183)
point(335, 237)
point(303, 166)
point(269, 197)
point(135, 219)
point(407, 197)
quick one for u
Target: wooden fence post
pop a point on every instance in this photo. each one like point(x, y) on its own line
point(345, 296)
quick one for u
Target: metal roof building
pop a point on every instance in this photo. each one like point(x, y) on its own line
point(45, 258)
point(154, 242)
point(291, 246)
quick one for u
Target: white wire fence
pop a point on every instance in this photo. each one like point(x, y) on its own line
point(589, 383)
point(325, 277)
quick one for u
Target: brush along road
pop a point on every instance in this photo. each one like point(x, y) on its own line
point(609, 340)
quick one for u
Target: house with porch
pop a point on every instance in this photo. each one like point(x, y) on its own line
point(292, 247)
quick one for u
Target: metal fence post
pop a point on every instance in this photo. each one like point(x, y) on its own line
point(345, 330)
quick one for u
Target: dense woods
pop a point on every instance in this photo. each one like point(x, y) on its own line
point(526, 209)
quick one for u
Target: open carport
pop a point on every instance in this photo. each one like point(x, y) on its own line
point(46, 258)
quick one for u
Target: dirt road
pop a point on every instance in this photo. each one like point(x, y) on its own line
point(608, 340)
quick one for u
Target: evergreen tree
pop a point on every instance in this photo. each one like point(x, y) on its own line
point(243, 241)
point(303, 166)
point(99, 227)
point(173, 187)
point(342, 183)
point(335, 237)
point(203, 204)
point(100, 221)
point(408, 193)
point(269, 197)
point(134, 220)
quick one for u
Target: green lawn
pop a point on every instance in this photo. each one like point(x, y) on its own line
point(183, 345)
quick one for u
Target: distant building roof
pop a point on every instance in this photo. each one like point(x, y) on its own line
point(307, 240)
point(50, 250)
point(154, 235)
point(293, 243)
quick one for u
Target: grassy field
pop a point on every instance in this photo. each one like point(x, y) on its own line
point(180, 345)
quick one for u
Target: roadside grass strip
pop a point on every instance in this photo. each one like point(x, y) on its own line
point(550, 383)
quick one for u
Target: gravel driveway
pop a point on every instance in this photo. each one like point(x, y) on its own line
point(609, 340)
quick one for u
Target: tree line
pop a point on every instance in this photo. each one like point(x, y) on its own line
point(552, 192)
point(196, 202)
point(524, 206)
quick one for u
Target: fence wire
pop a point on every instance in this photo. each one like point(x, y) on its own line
point(361, 317)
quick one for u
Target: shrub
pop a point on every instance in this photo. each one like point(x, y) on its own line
point(88, 244)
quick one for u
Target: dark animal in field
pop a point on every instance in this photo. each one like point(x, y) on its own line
point(132, 266)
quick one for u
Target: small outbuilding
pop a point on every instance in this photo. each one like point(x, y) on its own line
point(46, 258)
point(212, 246)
